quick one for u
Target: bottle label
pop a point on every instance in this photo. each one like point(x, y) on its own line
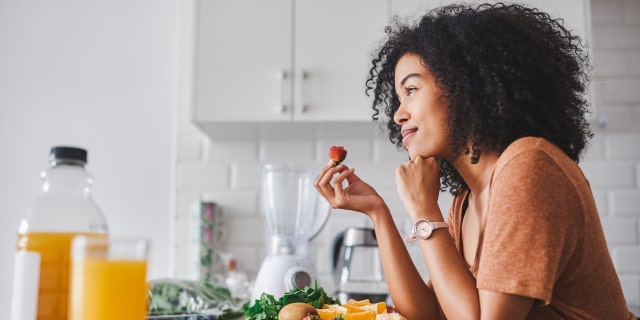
point(26, 278)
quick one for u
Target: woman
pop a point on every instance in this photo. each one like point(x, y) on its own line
point(489, 103)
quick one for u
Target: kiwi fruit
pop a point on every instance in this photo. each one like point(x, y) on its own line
point(296, 311)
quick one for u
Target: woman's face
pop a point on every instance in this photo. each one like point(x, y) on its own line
point(422, 114)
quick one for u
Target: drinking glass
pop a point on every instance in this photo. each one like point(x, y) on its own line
point(108, 278)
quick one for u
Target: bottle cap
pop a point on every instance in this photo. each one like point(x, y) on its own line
point(68, 154)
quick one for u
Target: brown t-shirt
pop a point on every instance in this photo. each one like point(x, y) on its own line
point(541, 236)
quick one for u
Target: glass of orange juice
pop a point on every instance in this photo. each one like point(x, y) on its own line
point(108, 278)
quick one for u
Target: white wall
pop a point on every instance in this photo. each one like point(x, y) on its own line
point(613, 163)
point(98, 74)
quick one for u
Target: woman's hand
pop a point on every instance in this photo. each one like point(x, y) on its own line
point(356, 196)
point(418, 184)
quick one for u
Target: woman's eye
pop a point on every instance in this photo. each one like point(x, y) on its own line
point(410, 90)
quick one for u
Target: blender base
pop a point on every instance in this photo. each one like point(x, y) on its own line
point(279, 274)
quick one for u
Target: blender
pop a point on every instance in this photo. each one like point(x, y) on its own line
point(295, 213)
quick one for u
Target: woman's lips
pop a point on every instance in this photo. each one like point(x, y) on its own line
point(407, 134)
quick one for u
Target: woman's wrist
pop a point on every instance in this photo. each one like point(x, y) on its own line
point(431, 213)
point(379, 213)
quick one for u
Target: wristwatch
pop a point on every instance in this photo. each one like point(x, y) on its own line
point(423, 229)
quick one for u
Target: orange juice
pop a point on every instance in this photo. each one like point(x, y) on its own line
point(108, 289)
point(54, 249)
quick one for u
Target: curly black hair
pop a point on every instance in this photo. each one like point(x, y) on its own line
point(506, 72)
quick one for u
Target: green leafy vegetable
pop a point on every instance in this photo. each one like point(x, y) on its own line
point(268, 307)
point(175, 297)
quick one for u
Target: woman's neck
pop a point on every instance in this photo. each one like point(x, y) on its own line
point(477, 176)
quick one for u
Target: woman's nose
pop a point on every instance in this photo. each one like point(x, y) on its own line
point(401, 116)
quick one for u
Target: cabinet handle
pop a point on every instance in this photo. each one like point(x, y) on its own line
point(283, 75)
point(300, 82)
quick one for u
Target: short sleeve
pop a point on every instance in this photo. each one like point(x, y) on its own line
point(531, 227)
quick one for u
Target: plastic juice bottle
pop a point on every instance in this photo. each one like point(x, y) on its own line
point(64, 210)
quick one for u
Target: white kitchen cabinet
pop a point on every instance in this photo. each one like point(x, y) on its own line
point(284, 61)
point(243, 47)
point(333, 42)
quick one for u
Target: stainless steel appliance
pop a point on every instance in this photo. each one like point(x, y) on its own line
point(356, 266)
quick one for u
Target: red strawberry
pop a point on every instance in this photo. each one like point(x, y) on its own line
point(337, 154)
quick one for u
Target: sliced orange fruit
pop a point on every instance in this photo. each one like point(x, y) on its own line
point(364, 315)
point(352, 308)
point(328, 314)
point(358, 303)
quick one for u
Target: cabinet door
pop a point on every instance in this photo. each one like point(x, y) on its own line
point(333, 43)
point(243, 49)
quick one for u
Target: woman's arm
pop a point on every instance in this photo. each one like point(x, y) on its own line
point(504, 306)
point(418, 184)
point(453, 283)
point(411, 296)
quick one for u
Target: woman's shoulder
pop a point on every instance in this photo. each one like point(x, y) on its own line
point(534, 147)
point(533, 153)
point(528, 144)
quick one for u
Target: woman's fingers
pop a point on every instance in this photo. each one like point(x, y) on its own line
point(324, 179)
point(330, 185)
point(322, 183)
point(340, 178)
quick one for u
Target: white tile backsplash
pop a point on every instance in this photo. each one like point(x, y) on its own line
point(620, 231)
point(226, 150)
point(228, 172)
point(634, 62)
point(605, 13)
point(617, 95)
point(616, 37)
point(622, 91)
point(625, 202)
point(619, 118)
point(619, 146)
point(631, 9)
point(612, 64)
point(245, 175)
point(204, 175)
point(610, 173)
point(631, 288)
point(295, 151)
point(189, 148)
point(627, 260)
point(601, 196)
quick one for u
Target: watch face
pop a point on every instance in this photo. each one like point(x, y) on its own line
point(423, 229)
